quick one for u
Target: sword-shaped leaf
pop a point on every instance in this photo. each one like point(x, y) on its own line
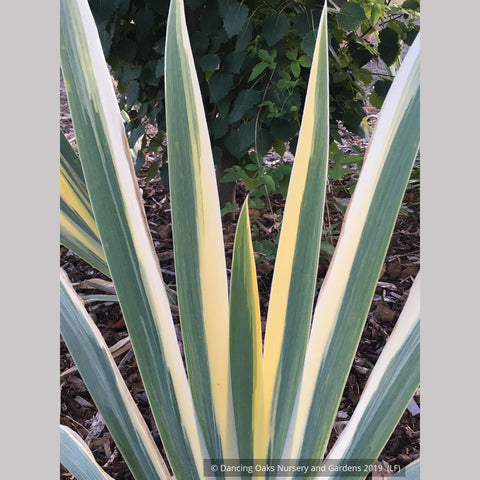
point(124, 234)
point(245, 337)
point(78, 230)
point(296, 265)
point(107, 388)
point(390, 387)
point(198, 242)
point(348, 288)
point(77, 457)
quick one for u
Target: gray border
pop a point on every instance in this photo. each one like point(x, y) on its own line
point(29, 201)
point(450, 239)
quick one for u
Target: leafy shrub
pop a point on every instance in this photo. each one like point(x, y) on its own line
point(253, 59)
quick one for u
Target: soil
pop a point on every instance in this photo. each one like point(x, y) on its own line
point(401, 266)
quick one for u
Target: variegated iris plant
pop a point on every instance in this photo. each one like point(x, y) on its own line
point(235, 400)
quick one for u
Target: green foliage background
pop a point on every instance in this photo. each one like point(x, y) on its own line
point(253, 60)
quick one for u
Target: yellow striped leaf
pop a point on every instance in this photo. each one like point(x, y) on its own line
point(125, 236)
point(245, 336)
point(348, 288)
point(198, 242)
point(296, 265)
point(107, 388)
point(78, 230)
point(77, 457)
point(390, 386)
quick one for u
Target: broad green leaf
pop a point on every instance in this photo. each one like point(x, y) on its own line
point(218, 127)
point(305, 22)
point(198, 243)
point(200, 43)
point(390, 387)
point(305, 61)
point(283, 129)
point(125, 237)
point(209, 62)
point(239, 140)
point(107, 388)
point(360, 55)
point(244, 37)
point(245, 336)
point(350, 16)
point(345, 297)
point(411, 4)
point(234, 61)
point(264, 141)
point(77, 457)
point(235, 18)
point(279, 147)
point(267, 56)
point(376, 13)
point(294, 279)
point(389, 46)
point(78, 230)
point(308, 43)
point(219, 85)
point(257, 70)
point(295, 68)
point(274, 28)
point(245, 100)
point(133, 90)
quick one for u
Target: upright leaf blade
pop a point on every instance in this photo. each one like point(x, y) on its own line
point(107, 388)
point(245, 337)
point(78, 230)
point(294, 280)
point(348, 288)
point(389, 388)
point(198, 242)
point(124, 233)
point(77, 457)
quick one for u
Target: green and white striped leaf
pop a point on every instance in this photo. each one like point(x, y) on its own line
point(410, 472)
point(99, 298)
point(107, 388)
point(198, 242)
point(77, 457)
point(390, 387)
point(78, 230)
point(124, 234)
point(245, 337)
point(348, 288)
point(296, 265)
